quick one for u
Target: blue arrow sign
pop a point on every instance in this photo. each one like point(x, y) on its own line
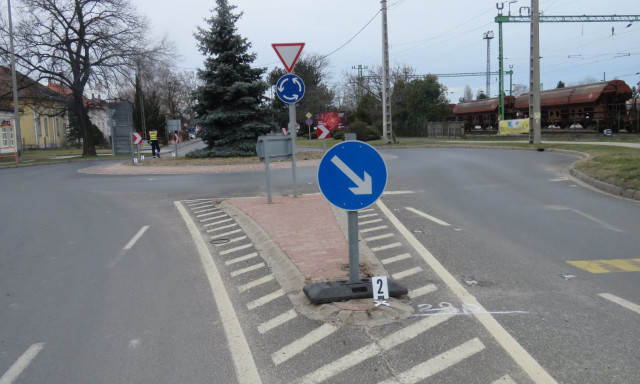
point(290, 88)
point(352, 175)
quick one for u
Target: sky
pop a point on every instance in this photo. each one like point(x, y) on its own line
point(441, 37)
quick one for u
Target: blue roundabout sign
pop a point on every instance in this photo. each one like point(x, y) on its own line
point(290, 88)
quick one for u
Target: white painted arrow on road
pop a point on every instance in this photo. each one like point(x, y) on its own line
point(363, 185)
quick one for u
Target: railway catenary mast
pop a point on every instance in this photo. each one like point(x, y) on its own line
point(543, 19)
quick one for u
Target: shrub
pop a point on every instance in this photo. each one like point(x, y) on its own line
point(339, 135)
point(373, 133)
point(359, 128)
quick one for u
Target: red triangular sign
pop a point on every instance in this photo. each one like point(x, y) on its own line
point(288, 53)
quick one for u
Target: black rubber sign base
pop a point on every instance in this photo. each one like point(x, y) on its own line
point(343, 290)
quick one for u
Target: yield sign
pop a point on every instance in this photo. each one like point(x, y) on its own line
point(288, 53)
point(323, 132)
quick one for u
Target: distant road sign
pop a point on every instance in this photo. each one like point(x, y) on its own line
point(137, 138)
point(323, 132)
point(309, 122)
point(352, 175)
point(288, 53)
point(290, 88)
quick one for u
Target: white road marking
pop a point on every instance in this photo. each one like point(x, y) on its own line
point(434, 219)
point(211, 213)
point(227, 233)
point(506, 379)
point(265, 299)
point(427, 289)
point(385, 247)
point(238, 248)
point(397, 192)
point(277, 321)
point(127, 247)
point(586, 215)
point(356, 357)
point(289, 351)
point(510, 345)
point(220, 228)
point(370, 222)
point(367, 215)
point(242, 271)
point(245, 366)
point(234, 240)
point(620, 301)
point(255, 283)
point(241, 258)
point(199, 205)
point(395, 259)
point(206, 210)
point(373, 229)
point(21, 364)
point(406, 273)
point(374, 238)
point(216, 222)
point(438, 363)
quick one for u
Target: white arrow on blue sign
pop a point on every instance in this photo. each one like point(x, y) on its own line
point(290, 88)
point(352, 175)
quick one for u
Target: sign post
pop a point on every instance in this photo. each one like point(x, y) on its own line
point(290, 90)
point(352, 176)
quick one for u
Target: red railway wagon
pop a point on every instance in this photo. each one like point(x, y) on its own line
point(483, 113)
point(596, 106)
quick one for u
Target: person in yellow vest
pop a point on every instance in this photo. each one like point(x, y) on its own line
point(153, 140)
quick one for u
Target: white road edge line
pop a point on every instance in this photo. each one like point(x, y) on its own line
point(434, 219)
point(245, 365)
point(21, 364)
point(508, 342)
point(620, 301)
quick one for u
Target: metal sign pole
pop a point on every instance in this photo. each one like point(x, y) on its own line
point(292, 132)
point(352, 233)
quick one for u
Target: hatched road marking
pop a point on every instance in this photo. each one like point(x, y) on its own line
point(21, 364)
point(508, 343)
point(608, 266)
point(302, 343)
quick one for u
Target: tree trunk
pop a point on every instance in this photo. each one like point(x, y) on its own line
point(88, 146)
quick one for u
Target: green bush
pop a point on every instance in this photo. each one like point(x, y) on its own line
point(339, 135)
point(373, 133)
point(359, 128)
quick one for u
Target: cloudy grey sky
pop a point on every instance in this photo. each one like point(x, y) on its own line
point(431, 36)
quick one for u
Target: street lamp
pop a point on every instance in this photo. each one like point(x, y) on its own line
point(511, 2)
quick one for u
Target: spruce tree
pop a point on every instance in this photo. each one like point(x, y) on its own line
point(231, 107)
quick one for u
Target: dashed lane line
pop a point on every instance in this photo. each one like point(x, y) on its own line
point(21, 364)
point(537, 373)
point(244, 364)
point(302, 343)
point(620, 301)
point(426, 216)
point(356, 357)
point(438, 363)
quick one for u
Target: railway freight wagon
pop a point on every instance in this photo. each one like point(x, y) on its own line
point(596, 106)
point(483, 114)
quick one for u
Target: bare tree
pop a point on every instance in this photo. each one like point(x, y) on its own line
point(80, 44)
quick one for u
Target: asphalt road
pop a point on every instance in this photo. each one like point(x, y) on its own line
point(96, 284)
